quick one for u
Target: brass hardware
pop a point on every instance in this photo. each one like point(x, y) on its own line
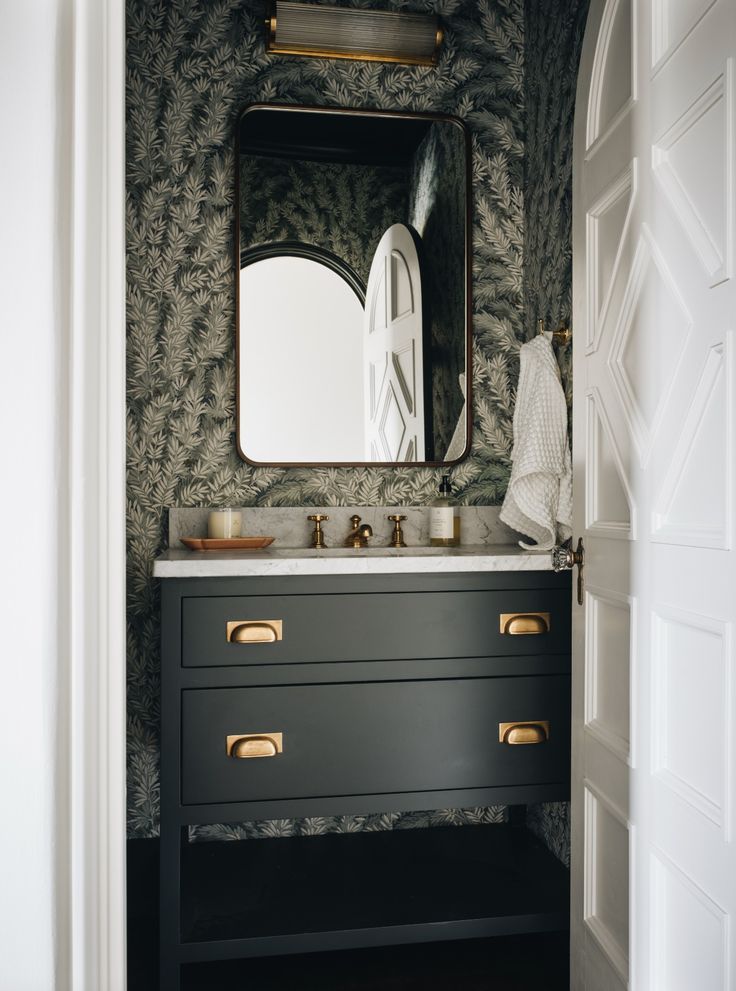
point(397, 537)
point(564, 557)
point(348, 24)
point(517, 624)
point(358, 536)
point(534, 731)
point(243, 745)
point(254, 630)
point(562, 336)
point(318, 537)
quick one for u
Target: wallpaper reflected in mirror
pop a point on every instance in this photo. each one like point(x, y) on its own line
point(352, 288)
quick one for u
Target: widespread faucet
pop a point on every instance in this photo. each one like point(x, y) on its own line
point(358, 536)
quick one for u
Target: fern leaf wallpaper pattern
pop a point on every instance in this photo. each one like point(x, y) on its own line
point(344, 208)
point(191, 67)
point(553, 42)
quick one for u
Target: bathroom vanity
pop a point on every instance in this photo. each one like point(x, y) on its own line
point(308, 684)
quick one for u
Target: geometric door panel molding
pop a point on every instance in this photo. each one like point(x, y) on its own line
point(378, 312)
point(606, 878)
point(686, 511)
point(402, 295)
point(654, 463)
point(405, 368)
point(700, 187)
point(377, 371)
point(648, 343)
point(691, 685)
point(391, 425)
point(394, 427)
point(689, 933)
point(672, 22)
point(608, 645)
point(608, 502)
point(607, 222)
point(613, 86)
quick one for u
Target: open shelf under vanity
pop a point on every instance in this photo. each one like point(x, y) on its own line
point(494, 869)
point(312, 893)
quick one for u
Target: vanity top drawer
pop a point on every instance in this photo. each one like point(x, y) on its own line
point(373, 738)
point(362, 626)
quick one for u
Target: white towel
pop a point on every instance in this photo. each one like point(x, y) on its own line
point(538, 500)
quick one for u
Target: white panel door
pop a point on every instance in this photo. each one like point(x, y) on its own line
point(654, 744)
point(393, 356)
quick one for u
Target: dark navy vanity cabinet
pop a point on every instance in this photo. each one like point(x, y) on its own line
point(301, 696)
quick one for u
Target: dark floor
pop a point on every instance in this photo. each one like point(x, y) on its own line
point(510, 963)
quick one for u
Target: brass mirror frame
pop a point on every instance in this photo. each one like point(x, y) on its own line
point(468, 269)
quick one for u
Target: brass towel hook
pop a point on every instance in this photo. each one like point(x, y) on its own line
point(562, 336)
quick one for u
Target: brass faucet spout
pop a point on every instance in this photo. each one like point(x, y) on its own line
point(358, 536)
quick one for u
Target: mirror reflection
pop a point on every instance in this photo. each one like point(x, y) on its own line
point(352, 296)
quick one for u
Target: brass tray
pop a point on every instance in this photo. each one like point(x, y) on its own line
point(225, 543)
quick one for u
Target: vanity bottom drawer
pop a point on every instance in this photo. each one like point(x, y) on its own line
point(373, 738)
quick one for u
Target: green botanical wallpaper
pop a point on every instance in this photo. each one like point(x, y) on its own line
point(344, 208)
point(436, 209)
point(553, 40)
point(191, 66)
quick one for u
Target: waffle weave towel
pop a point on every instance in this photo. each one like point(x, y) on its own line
point(538, 500)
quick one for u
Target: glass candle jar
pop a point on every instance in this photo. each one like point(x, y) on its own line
point(223, 523)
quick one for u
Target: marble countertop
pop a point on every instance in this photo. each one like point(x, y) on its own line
point(348, 561)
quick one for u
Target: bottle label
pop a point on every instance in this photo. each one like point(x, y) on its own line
point(441, 523)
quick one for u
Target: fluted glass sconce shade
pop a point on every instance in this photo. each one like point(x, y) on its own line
point(339, 32)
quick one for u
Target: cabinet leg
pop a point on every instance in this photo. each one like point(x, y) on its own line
point(169, 975)
point(169, 911)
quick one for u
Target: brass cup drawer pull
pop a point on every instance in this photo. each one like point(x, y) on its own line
point(517, 624)
point(519, 733)
point(254, 745)
point(254, 630)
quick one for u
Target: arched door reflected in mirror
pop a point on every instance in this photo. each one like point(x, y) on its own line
point(330, 201)
point(299, 404)
point(393, 351)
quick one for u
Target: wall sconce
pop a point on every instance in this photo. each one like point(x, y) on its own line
point(342, 32)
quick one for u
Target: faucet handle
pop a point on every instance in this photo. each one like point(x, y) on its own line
point(397, 537)
point(318, 537)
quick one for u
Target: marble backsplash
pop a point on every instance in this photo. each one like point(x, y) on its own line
point(291, 528)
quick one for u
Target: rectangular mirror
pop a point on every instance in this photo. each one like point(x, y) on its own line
point(353, 287)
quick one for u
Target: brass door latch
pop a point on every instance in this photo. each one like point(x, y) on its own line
point(564, 557)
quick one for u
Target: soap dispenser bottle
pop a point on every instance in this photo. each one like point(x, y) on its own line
point(444, 517)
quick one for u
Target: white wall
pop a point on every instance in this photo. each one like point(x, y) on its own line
point(32, 274)
point(62, 497)
point(301, 359)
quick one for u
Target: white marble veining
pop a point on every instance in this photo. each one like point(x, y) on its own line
point(486, 544)
point(290, 527)
point(348, 561)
